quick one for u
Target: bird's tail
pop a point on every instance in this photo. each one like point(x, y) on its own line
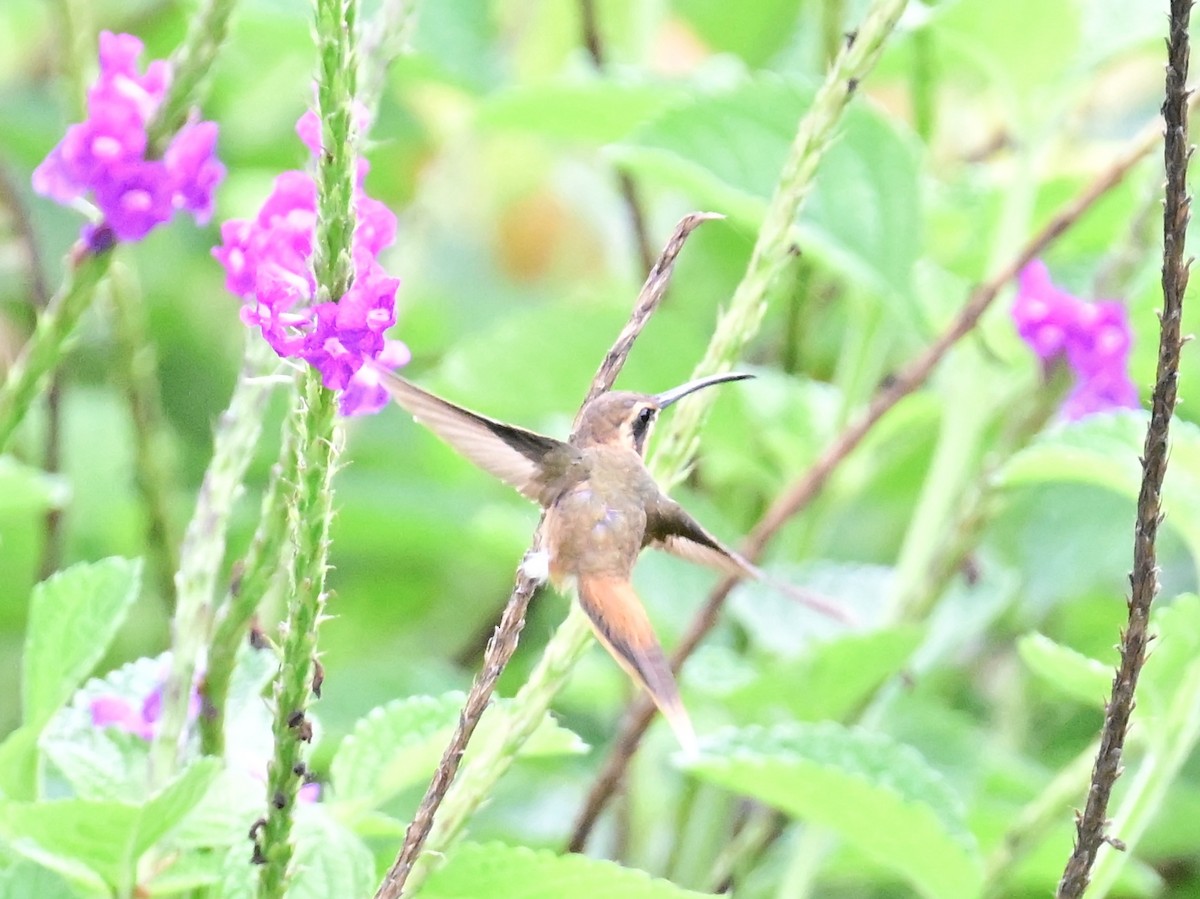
point(620, 623)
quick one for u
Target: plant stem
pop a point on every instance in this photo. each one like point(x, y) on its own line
point(252, 579)
point(151, 448)
point(487, 762)
point(48, 343)
point(317, 451)
point(317, 444)
point(774, 248)
point(1091, 825)
point(572, 638)
point(801, 492)
point(190, 66)
point(1036, 818)
point(203, 552)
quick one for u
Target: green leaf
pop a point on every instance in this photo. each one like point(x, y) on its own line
point(592, 111)
point(754, 33)
point(832, 680)
point(108, 837)
point(1174, 651)
point(1065, 670)
point(515, 872)
point(187, 873)
point(333, 860)
point(27, 880)
point(84, 883)
point(878, 795)
point(399, 745)
point(103, 763)
point(73, 617)
point(23, 488)
point(456, 41)
point(863, 215)
point(1104, 451)
point(19, 764)
point(997, 38)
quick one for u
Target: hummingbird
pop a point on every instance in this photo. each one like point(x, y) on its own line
point(602, 508)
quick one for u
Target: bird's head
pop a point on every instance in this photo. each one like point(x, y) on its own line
point(622, 418)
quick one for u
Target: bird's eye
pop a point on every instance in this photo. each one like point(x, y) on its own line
point(641, 423)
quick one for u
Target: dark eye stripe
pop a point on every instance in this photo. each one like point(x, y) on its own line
point(640, 427)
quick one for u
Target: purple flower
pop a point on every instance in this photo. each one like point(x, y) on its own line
point(1093, 338)
point(119, 713)
point(139, 719)
point(106, 154)
point(267, 263)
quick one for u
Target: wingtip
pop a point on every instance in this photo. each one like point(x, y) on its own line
point(815, 601)
point(685, 734)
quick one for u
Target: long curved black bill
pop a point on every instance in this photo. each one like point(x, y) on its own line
point(668, 397)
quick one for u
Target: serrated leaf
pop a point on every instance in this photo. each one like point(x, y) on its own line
point(223, 816)
point(879, 795)
point(399, 745)
point(111, 836)
point(1104, 451)
point(591, 111)
point(1066, 670)
point(833, 679)
point(73, 617)
point(727, 150)
point(330, 861)
point(515, 872)
point(103, 763)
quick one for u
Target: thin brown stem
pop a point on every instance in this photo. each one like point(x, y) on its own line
point(39, 295)
point(802, 492)
point(594, 43)
point(504, 641)
point(1091, 824)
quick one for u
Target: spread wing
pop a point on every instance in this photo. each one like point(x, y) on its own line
point(669, 527)
point(522, 459)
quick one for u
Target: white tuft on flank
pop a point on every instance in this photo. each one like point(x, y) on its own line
point(536, 566)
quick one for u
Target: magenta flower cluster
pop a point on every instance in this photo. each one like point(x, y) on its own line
point(1093, 337)
point(267, 263)
point(107, 154)
point(141, 720)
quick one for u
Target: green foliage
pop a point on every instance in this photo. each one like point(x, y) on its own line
point(72, 618)
point(726, 149)
point(879, 796)
point(1065, 670)
point(513, 872)
point(838, 677)
point(107, 837)
point(399, 745)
